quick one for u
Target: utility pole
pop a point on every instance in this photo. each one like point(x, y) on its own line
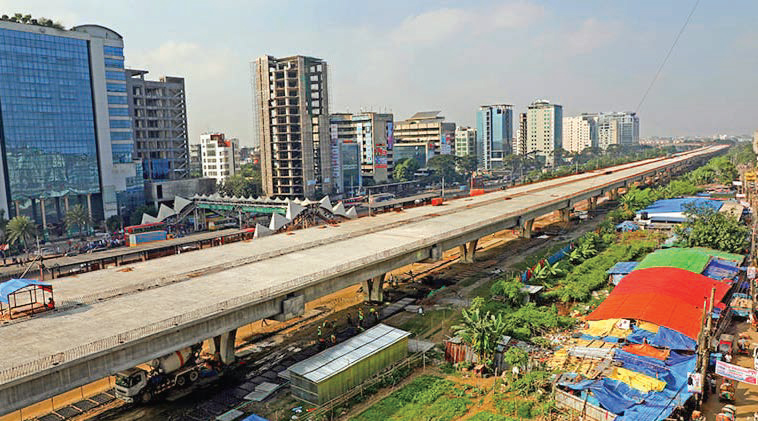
point(705, 339)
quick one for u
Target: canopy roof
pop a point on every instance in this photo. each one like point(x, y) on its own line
point(9, 287)
point(683, 258)
point(622, 268)
point(669, 297)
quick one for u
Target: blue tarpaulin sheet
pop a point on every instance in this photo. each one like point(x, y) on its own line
point(620, 398)
point(678, 205)
point(13, 285)
point(560, 254)
point(665, 338)
point(254, 417)
point(721, 269)
point(612, 395)
point(611, 339)
point(622, 268)
point(627, 226)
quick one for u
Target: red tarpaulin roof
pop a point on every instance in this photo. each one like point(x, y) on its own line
point(669, 297)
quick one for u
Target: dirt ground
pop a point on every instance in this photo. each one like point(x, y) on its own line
point(747, 395)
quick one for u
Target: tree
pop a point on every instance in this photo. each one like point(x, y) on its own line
point(77, 217)
point(114, 222)
point(481, 332)
point(405, 169)
point(238, 186)
point(511, 290)
point(135, 218)
point(466, 165)
point(546, 272)
point(516, 357)
point(706, 227)
point(21, 228)
point(443, 167)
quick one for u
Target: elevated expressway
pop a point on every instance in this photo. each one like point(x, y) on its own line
point(113, 319)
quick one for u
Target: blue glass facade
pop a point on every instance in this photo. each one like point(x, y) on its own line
point(47, 122)
point(494, 131)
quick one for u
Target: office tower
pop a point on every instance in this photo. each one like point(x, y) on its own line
point(159, 112)
point(579, 133)
point(520, 147)
point(465, 142)
point(617, 129)
point(365, 138)
point(494, 130)
point(219, 156)
point(291, 105)
point(423, 136)
point(64, 123)
point(544, 130)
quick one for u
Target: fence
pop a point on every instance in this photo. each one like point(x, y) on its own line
point(411, 361)
point(587, 411)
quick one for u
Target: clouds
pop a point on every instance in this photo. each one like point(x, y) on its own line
point(590, 35)
point(438, 25)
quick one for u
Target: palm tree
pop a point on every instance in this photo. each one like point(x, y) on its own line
point(481, 332)
point(77, 217)
point(21, 228)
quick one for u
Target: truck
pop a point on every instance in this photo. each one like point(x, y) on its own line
point(176, 370)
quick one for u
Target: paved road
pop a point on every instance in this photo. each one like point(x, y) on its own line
point(264, 265)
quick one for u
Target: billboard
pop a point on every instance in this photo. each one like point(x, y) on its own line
point(390, 135)
point(735, 372)
point(380, 157)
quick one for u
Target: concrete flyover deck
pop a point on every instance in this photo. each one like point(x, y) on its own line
point(121, 255)
point(120, 317)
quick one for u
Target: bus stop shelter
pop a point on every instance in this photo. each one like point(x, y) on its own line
point(24, 296)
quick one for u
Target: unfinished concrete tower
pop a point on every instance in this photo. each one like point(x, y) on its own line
point(291, 108)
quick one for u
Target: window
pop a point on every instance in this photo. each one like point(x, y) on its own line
point(112, 99)
point(115, 87)
point(118, 111)
point(114, 75)
point(121, 124)
point(121, 135)
point(122, 152)
point(113, 51)
point(115, 63)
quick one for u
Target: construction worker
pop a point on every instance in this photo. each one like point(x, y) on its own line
point(333, 338)
point(50, 303)
point(360, 317)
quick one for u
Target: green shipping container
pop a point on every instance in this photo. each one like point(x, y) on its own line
point(336, 370)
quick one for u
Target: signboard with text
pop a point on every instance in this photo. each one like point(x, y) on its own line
point(735, 372)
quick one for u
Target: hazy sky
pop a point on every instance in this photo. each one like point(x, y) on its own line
point(407, 56)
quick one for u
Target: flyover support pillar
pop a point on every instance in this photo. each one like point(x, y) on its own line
point(374, 288)
point(566, 214)
point(592, 203)
point(468, 251)
point(222, 346)
point(613, 194)
point(526, 228)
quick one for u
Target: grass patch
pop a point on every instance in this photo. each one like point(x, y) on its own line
point(425, 398)
point(430, 322)
point(489, 416)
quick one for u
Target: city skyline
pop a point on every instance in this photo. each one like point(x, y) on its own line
point(371, 50)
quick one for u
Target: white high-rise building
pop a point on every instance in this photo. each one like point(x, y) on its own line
point(219, 156)
point(579, 133)
point(617, 129)
point(544, 130)
point(465, 142)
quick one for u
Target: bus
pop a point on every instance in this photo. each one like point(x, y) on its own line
point(353, 201)
point(139, 229)
point(381, 197)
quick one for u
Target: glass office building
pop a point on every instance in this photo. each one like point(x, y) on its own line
point(65, 128)
point(48, 131)
point(494, 131)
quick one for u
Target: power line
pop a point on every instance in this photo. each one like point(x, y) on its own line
point(660, 69)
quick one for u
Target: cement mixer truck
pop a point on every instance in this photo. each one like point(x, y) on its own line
point(175, 370)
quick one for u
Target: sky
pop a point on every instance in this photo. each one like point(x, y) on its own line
point(404, 56)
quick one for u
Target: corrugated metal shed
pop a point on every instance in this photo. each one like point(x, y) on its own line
point(332, 372)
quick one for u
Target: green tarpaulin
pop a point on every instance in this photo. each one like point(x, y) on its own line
point(687, 259)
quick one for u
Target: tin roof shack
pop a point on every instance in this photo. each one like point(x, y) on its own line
point(336, 370)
